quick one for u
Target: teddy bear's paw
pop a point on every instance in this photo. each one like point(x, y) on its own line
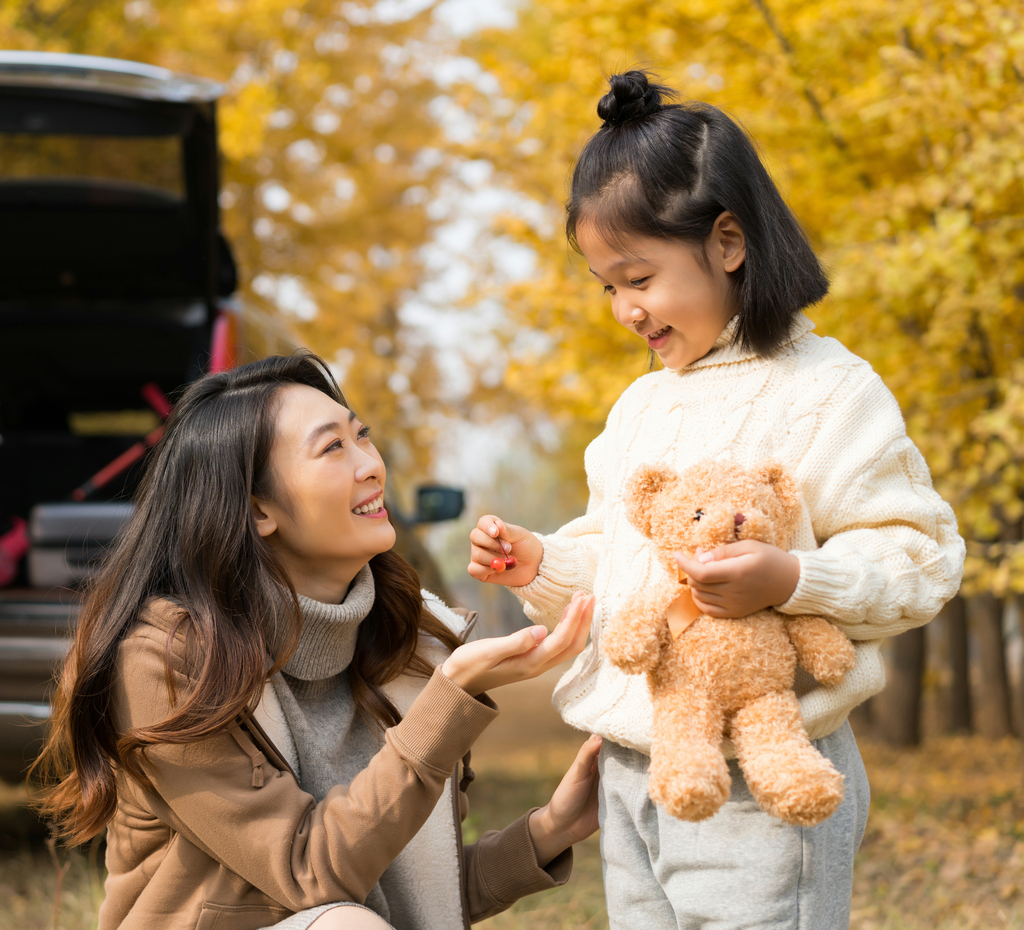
point(822, 648)
point(807, 798)
point(695, 793)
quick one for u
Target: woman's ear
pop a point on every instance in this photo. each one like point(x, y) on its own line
point(265, 523)
point(729, 242)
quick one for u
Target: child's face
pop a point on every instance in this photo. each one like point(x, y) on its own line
point(662, 293)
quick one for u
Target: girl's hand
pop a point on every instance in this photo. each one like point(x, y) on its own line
point(492, 540)
point(571, 814)
point(490, 663)
point(741, 578)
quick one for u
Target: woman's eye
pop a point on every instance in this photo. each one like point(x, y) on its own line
point(337, 444)
point(364, 433)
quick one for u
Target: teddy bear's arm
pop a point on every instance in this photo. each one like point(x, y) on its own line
point(632, 640)
point(821, 648)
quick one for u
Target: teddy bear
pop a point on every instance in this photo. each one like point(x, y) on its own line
point(713, 678)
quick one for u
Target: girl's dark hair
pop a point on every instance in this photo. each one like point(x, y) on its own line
point(669, 170)
point(193, 539)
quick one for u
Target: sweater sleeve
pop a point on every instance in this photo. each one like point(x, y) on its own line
point(571, 554)
point(501, 868)
point(890, 554)
point(266, 829)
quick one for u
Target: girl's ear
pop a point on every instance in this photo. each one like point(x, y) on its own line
point(729, 244)
point(265, 523)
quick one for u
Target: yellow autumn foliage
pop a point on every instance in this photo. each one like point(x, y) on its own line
point(323, 130)
point(895, 130)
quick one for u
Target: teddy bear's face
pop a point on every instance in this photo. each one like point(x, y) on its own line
point(712, 504)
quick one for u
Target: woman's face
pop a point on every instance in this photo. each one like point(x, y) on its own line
point(326, 518)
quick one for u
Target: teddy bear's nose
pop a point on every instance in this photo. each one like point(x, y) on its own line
point(740, 519)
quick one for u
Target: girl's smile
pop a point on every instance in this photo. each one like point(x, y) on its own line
point(664, 292)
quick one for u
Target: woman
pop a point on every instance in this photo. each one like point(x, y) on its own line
point(264, 710)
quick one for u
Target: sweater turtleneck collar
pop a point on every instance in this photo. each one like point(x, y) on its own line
point(727, 350)
point(329, 631)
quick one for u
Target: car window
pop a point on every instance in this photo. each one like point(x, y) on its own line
point(93, 169)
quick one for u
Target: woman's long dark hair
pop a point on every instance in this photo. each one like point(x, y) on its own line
point(668, 171)
point(193, 540)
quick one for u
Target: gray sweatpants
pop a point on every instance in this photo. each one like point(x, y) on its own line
point(740, 870)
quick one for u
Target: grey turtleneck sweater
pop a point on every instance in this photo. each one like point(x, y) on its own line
point(332, 741)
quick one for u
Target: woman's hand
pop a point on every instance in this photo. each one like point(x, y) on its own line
point(571, 814)
point(494, 539)
point(490, 663)
point(741, 578)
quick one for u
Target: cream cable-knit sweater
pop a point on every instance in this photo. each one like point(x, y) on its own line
point(879, 550)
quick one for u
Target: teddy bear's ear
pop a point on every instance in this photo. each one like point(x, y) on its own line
point(775, 475)
point(641, 492)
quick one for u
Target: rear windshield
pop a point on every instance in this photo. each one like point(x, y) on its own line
point(95, 169)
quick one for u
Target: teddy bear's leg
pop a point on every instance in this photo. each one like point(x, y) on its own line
point(787, 776)
point(689, 776)
point(633, 640)
point(821, 648)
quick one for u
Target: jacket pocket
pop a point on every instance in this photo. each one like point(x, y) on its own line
point(239, 916)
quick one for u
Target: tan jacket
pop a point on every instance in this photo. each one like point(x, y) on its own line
point(227, 838)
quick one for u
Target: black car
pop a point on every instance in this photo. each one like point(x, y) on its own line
point(114, 279)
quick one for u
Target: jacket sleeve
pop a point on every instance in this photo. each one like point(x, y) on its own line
point(501, 867)
point(571, 554)
point(890, 554)
point(267, 829)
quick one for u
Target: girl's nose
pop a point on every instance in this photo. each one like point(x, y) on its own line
point(634, 315)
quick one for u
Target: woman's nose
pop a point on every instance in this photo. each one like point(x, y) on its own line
point(370, 465)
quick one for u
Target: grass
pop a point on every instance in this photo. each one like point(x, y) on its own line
point(37, 877)
point(944, 848)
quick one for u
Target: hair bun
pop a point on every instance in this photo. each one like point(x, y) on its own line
point(631, 97)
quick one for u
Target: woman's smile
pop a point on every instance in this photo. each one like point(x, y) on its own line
point(372, 507)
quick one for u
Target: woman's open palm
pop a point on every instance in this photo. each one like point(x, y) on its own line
point(490, 663)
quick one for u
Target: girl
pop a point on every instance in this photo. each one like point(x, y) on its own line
point(265, 711)
point(684, 230)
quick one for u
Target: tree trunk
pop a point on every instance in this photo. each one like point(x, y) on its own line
point(899, 706)
point(958, 704)
point(1019, 600)
point(986, 617)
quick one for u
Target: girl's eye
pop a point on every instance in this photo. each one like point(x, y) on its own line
point(638, 282)
point(364, 433)
point(607, 288)
point(697, 516)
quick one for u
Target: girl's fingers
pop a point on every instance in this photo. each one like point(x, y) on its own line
point(496, 530)
point(480, 541)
